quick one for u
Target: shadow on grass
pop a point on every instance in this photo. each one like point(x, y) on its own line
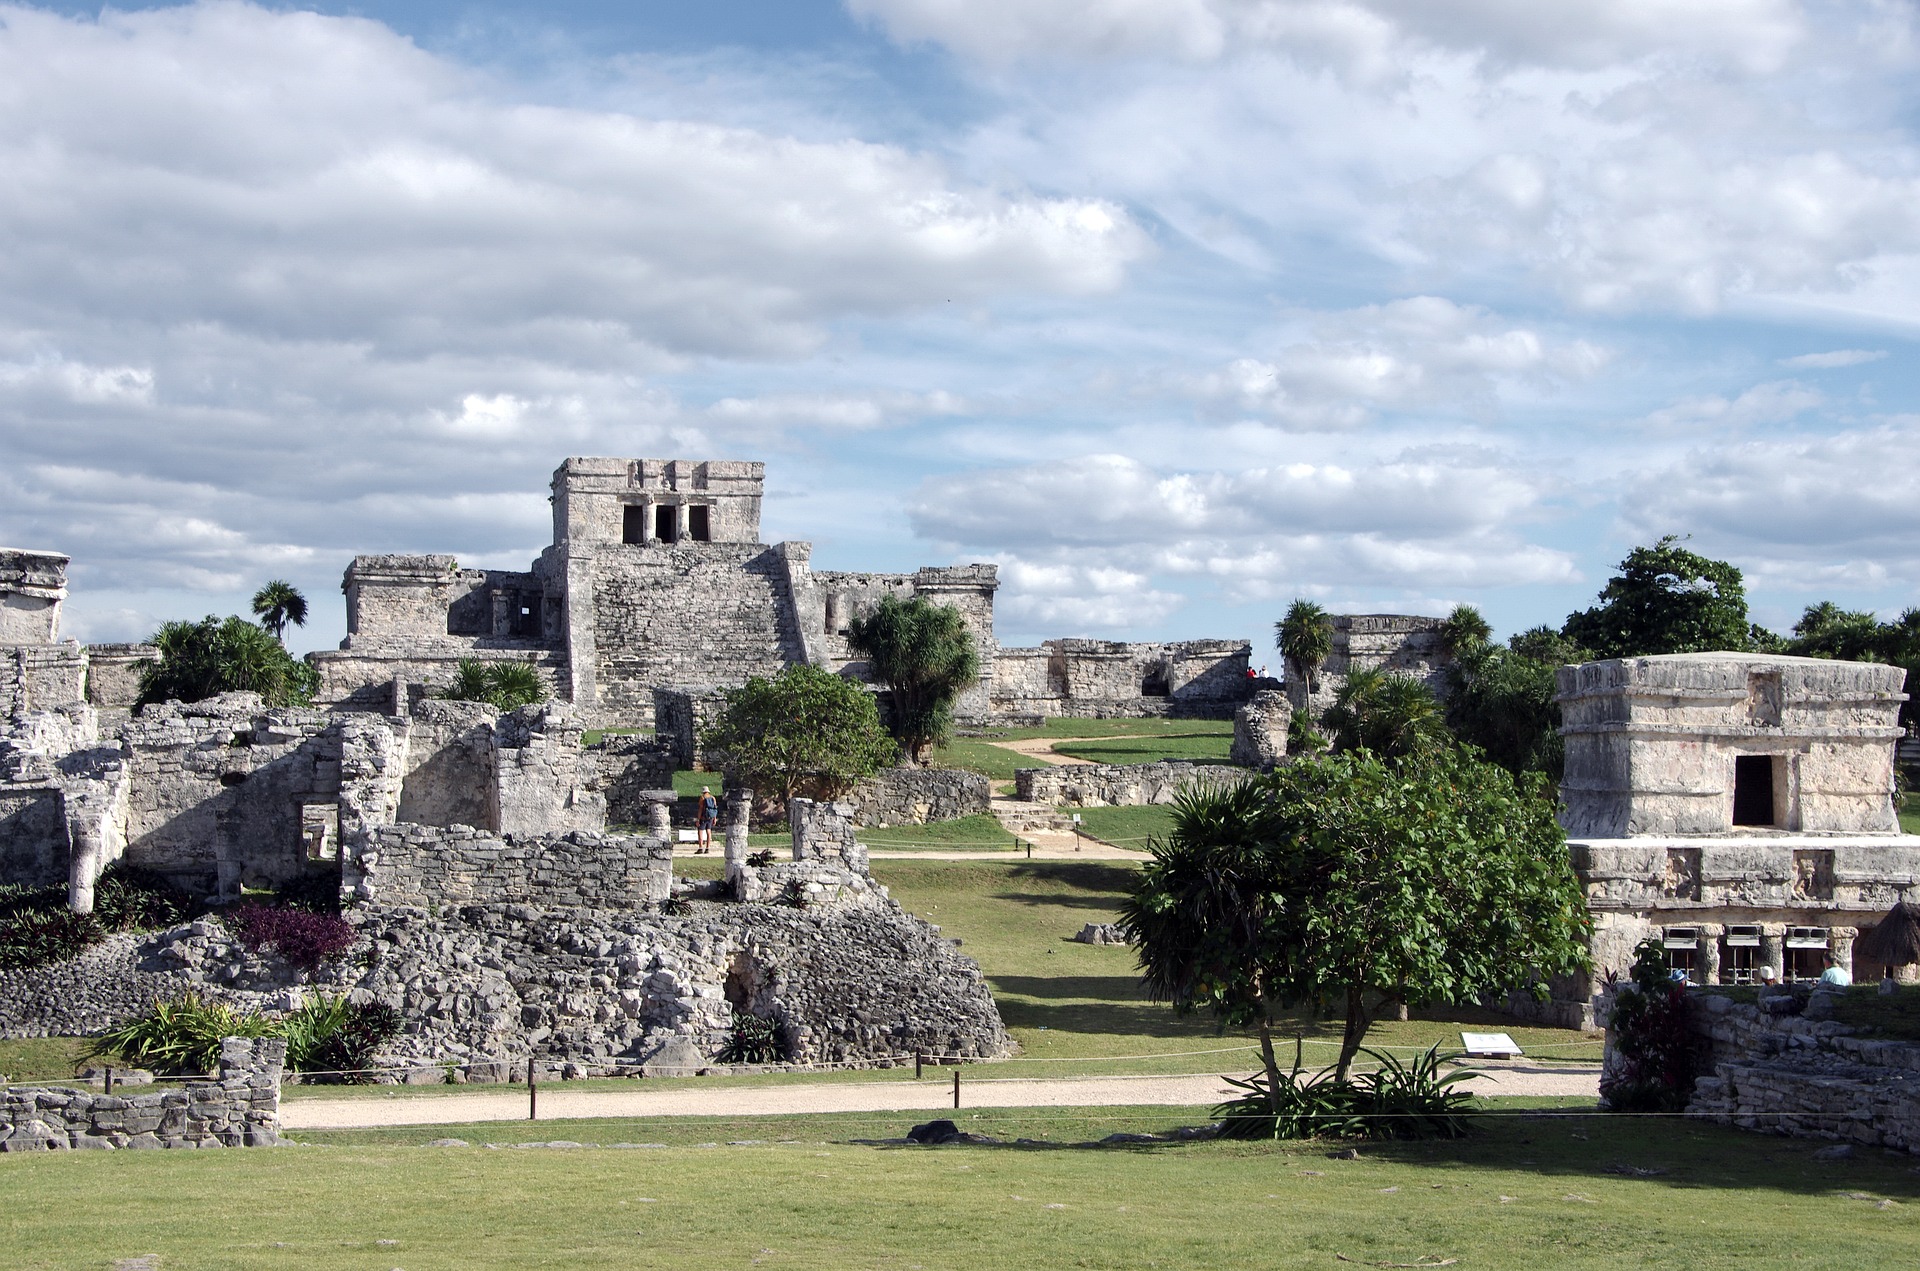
point(1064, 900)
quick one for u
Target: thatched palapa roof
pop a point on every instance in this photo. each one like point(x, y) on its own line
point(1896, 941)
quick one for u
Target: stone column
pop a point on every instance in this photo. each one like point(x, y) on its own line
point(83, 867)
point(1708, 951)
point(502, 614)
point(739, 819)
point(1840, 945)
point(679, 522)
point(1773, 949)
point(660, 819)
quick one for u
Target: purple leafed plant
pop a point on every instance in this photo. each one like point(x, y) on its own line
point(301, 936)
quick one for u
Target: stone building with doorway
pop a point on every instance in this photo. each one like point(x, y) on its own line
point(1397, 643)
point(1736, 807)
point(657, 579)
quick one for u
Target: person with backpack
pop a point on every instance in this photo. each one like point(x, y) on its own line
point(704, 821)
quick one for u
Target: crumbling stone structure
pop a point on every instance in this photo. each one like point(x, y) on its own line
point(1117, 785)
point(1737, 807)
point(656, 579)
point(1260, 729)
point(240, 1107)
point(1400, 644)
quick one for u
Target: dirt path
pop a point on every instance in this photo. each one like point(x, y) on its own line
point(663, 1098)
point(1042, 748)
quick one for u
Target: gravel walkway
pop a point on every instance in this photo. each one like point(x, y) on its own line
point(687, 1097)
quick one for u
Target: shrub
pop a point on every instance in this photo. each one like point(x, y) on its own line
point(131, 899)
point(180, 1036)
point(302, 937)
point(1656, 1056)
point(755, 1039)
point(794, 894)
point(1396, 1101)
point(33, 938)
point(333, 1040)
point(506, 686)
point(760, 859)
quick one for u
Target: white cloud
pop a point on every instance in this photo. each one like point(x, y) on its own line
point(1771, 403)
point(1837, 358)
point(1068, 598)
point(1421, 351)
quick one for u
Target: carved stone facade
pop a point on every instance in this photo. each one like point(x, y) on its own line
point(1736, 807)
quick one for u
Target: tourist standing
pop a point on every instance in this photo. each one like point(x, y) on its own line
point(705, 820)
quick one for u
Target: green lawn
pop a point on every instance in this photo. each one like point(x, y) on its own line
point(978, 756)
point(1063, 727)
point(970, 834)
point(41, 1058)
point(1910, 814)
point(1127, 827)
point(1531, 1191)
point(1078, 1009)
point(1209, 747)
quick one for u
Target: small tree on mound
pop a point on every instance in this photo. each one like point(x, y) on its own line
point(803, 732)
point(926, 657)
point(1346, 884)
point(202, 659)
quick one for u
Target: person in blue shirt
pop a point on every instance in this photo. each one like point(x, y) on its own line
point(703, 823)
point(1835, 974)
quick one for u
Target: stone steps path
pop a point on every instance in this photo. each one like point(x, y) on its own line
point(684, 1097)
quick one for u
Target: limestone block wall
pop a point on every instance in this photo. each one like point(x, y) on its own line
point(418, 866)
point(32, 587)
point(1116, 785)
point(591, 497)
point(1260, 730)
point(824, 832)
point(1397, 643)
point(632, 774)
point(1653, 744)
point(544, 784)
point(41, 677)
point(240, 1107)
point(1203, 679)
point(680, 715)
point(917, 796)
point(448, 774)
point(113, 674)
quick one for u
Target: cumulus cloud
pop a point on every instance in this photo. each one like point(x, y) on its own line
point(1575, 33)
point(1839, 510)
point(1421, 351)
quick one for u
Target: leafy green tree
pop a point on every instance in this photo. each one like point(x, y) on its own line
point(277, 604)
point(1391, 715)
point(1346, 884)
point(1826, 630)
point(505, 685)
point(202, 659)
point(1305, 639)
point(803, 732)
point(1666, 599)
point(926, 657)
point(1501, 700)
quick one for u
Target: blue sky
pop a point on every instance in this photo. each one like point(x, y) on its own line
point(1176, 308)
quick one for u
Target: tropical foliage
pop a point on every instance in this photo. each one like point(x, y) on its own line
point(1655, 1054)
point(926, 657)
point(1390, 715)
point(755, 1039)
point(803, 732)
point(1501, 700)
point(1347, 884)
point(202, 659)
point(301, 936)
point(507, 686)
point(1666, 599)
point(37, 928)
point(1827, 631)
point(328, 1038)
point(1305, 638)
point(1394, 1100)
point(277, 604)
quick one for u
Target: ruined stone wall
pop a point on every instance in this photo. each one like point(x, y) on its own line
point(448, 776)
point(33, 833)
point(709, 614)
point(421, 866)
point(1652, 744)
point(634, 772)
point(41, 677)
point(680, 715)
point(1194, 679)
point(1110, 785)
point(240, 1107)
point(544, 783)
point(1396, 643)
point(917, 796)
point(114, 672)
point(1260, 730)
point(32, 587)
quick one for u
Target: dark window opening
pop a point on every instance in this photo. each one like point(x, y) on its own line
point(1155, 684)
point(633, 528)
point(1753, 790)
point(699, 524)
point(526, 617)
point(1740, 964)
point(231, 779)
point(663, 523)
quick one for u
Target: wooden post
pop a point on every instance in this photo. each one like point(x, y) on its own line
point(107, 1087)
point(956, 1087)
point(918, 1060)
point(533, 1096)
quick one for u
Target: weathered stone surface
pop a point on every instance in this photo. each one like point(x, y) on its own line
point(1105, 933)
point(239, 1107)
point(1104, 785)
point(1400, 644)
point(918, 796)
point(1260, 730)
point(423, 866)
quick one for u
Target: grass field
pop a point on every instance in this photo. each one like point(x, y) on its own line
point(1910, 815)
point(1194, 747)
point(1529, 1191)
point(1127, 827)
point(984, 758)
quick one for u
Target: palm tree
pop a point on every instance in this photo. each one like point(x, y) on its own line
point(277, 604)
point(1465, 630)
point(1392, 716)
point(1304, 638)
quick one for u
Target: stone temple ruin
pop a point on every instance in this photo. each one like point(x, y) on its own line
point(1735, 806)
point(657, 579)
